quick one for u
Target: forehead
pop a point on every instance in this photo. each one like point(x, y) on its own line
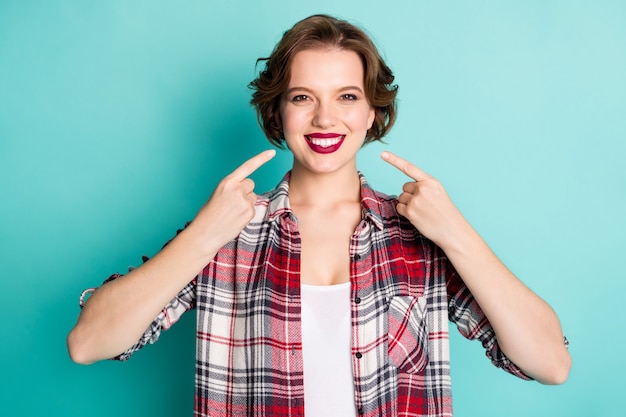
point(326, 67)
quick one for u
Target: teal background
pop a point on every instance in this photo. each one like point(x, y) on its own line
point(117, 119)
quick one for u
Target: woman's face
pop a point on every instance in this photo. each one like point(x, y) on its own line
point(325, 112)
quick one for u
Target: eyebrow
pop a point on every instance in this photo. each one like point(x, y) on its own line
point(308, 90)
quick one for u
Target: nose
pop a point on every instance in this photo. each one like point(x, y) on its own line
point(324, 116)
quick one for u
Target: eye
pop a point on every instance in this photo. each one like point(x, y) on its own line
point(299, 97)
point(349, 97)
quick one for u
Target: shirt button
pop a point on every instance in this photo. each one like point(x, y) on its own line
point(357, 257)
point(361, 411)
point(357, 300)
point(358, 355)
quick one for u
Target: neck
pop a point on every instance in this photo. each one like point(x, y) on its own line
point(313, 189)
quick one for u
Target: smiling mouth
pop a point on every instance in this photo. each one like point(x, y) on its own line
point(325, 142)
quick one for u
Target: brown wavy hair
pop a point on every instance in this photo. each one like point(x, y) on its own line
point(314, 32)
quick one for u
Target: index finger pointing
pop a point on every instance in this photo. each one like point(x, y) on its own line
point(252, 164)
point(405, 166)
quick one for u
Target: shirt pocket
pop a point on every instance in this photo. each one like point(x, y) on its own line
point(407, 334)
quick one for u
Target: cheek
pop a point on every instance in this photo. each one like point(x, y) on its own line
point(295, 119)
point(370, 118)
point(293, 122)
point(285, 118)
point(288, 121)
point(364, 118)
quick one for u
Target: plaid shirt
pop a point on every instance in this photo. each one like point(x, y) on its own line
point(403, 293)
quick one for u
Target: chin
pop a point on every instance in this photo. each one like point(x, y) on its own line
point(327, 167)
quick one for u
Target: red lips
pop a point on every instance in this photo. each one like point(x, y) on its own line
point(323, 135)
point(324, 143)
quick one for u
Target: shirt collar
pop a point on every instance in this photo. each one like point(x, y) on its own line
point(278, 201)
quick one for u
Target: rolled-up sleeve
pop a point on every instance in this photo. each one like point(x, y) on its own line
point(171, 313)
point(184, 301)
point(464, 311)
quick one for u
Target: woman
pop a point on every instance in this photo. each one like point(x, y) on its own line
point(324, 296)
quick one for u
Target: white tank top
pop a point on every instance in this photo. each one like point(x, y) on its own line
point(326, 346)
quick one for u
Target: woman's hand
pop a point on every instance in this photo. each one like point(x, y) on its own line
point(527, 329)
point(231, 205)
point(425, 203)
point(118, 313)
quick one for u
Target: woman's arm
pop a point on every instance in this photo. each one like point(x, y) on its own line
point(527, 329)
point(118, 313)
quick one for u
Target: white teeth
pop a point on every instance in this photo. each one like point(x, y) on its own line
point(325, 143)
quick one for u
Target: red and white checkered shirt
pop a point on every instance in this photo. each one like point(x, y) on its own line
point(403, 293)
